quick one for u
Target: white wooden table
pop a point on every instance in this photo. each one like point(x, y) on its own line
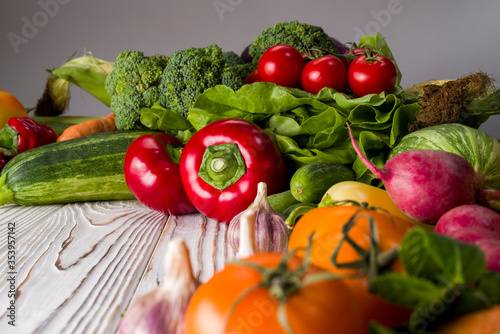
point(77, 267)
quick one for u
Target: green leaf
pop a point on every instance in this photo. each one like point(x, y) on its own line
point(471, 300)
point(406, 291)
point(165, 120)
point(489, 284)
point(376, 328)
point(440, 258)
point(402, 116)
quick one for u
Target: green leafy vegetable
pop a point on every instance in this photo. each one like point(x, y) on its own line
point(311, 128)
point(444, 278)
point(166, 120)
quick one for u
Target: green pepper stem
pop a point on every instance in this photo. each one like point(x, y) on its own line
point(222, 165)
point(8, 140)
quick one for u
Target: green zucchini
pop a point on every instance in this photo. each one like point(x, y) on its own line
point(77, 170)
point(310, 182)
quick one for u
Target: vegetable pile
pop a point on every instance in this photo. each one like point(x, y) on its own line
point(353, 205)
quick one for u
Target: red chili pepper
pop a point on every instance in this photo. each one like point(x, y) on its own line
point(21, 134)
point(152, 173)
point(222, 164)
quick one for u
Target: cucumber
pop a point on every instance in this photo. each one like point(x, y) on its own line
point(310, 182)
point(77, 170)
point(281, 201)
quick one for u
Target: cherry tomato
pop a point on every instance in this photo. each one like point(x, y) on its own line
point(225, 304)
point(327, 224)
point(10, 107)
point(326, 71)
point(281, 64)
point(253, 77)
point(353, 54)
point(222, 164)
point(153, 175)
point(371, 76)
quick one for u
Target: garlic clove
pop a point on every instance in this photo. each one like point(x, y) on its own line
point(271, 233)
point(161, 311)
point(247, 245)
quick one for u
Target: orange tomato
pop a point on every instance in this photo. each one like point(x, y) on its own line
point(230, 303)
point(10, 107)
point(480, 322)
point(327, 223)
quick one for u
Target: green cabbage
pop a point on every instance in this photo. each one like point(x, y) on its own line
point(477, 147)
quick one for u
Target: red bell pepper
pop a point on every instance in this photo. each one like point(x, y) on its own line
point(222, 164)
point(152, 173)
point(21, 134)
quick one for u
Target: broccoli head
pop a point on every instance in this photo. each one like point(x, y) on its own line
point(232, 59)
point(133, 84)
point(302, 36)
point(235, 76)
point(189, 73)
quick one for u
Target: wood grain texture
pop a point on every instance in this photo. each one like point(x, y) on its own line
point(208, 249)
point(80, 266)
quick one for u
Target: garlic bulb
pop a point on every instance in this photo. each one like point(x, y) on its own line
point(161, 311)
point(271, 234)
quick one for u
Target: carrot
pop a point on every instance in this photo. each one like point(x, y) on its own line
point(479, 322)
point(87, 128)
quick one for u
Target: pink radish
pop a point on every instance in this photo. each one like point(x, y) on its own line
point(469, 216)
point(488, 242)
point(474, 224)
point(425, 184)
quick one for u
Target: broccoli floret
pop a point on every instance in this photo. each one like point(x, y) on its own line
point(189, 73)
point(302, 36)
point(133, 84)
point(234, 77)
point(232, 59)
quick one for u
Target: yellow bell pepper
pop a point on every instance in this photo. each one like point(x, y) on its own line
point(362, 192)
point(10, 107)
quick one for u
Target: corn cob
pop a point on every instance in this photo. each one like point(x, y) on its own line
point(86, 72)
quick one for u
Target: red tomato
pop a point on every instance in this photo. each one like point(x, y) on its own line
point(282, 65)
point(153, 176)
point(222, 164)
point(371, 76)
point(223, 304)
point(353, 54)
point(326, 71)
point(253, 77)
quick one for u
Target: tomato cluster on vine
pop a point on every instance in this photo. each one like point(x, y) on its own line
point(364, 72)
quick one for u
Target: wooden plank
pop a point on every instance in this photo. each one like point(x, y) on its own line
point(77, 265)
point(207, 243)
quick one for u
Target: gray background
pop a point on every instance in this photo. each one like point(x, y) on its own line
point(429, 39)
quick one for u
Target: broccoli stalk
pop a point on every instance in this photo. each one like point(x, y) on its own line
point(133, 84)
point(303, 36)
